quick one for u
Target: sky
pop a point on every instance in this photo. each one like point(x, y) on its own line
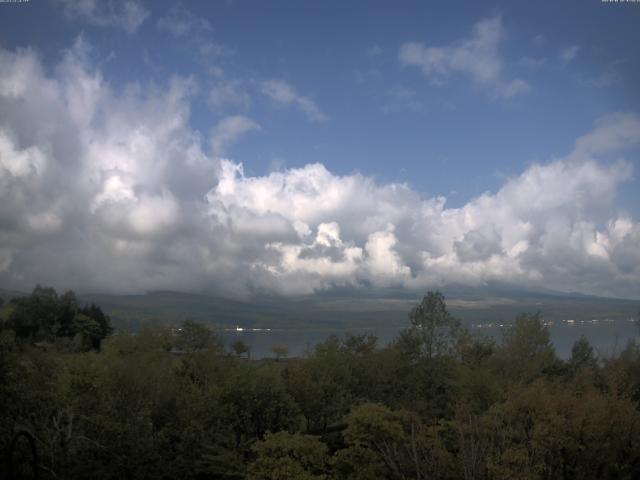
point(240, 148)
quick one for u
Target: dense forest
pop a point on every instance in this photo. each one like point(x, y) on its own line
point(437, 403)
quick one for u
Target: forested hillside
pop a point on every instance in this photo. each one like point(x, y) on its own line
point(437, 403)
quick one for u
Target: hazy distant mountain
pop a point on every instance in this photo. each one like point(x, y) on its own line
point(9, 294)
point(345, 308)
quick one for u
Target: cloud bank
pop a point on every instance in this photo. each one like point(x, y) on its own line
point(104, 190)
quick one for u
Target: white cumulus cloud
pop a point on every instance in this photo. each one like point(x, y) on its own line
point(180, 22)
point(569, 53)
point(228, 130)
point(112, 189)
point(125, 14)
point(477, 57)
point(284, 94)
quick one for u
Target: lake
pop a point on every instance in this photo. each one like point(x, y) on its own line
point(606, 336)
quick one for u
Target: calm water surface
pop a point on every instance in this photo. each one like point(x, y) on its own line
point(607, 337)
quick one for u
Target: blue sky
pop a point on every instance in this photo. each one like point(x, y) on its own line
point(443, 99)
point(384, 119)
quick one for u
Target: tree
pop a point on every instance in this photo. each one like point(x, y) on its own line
point(582, 355)
point(432, 324)
point(87, 332)
point(474, 349)
point(68, 308)
point(526, 349)
point(360, 345)
point(104, 323)
point(222, 462)
point(34, 318)
point(240, 348)
point(622, 373)
point(286, 456)
point(322, 385)
point(254, 400)
point(193, 337)
point(544, 430)
point(397, 444)
point(45, 316)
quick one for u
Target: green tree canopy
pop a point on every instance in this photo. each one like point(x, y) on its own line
point(287, 456)
point(582, 354)
point(45, 316)
point(526, 349)
point(193, 337)
point(433, 326)
point(240, 348)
